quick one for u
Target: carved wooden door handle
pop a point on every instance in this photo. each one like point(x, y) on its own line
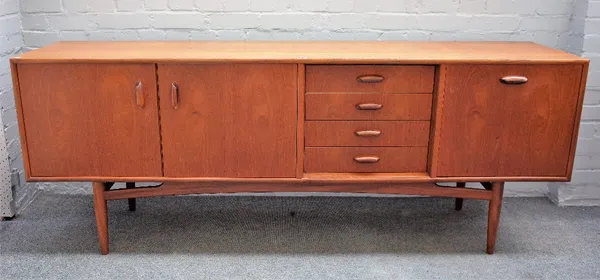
point(366, 159)
point(369, 106)
point(367, 133)
point(513, 80)
point(370, 79)
point(175, 95)
point(139, 95)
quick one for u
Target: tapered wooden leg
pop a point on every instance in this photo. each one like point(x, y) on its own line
point(459, 201)
point(101, 216)
point(131, 201)
point(494, 215)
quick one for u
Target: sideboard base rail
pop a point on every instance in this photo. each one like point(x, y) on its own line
point(493, 192)
point(168, 189)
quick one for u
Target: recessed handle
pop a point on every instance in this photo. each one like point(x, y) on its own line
point(370, 79)
point(139, 95)
point(366, 159)
point(175, 95)
point(369, 106)
point(513, 80)
point(367, 133)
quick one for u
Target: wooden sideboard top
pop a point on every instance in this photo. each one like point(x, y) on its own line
point(299, 52)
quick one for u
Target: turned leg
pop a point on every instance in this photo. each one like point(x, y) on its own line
point(131, 201)
point(459, 201)
point(494, 215)
point(101, 216)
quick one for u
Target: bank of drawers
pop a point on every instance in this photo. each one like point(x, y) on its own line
point(367, 118)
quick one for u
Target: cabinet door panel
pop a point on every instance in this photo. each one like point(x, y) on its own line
point(490, 128)
point(232, 120)
point(84, 120)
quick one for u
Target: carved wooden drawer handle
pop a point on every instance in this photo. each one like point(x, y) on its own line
point(513, 80)
point(367, 133)
point(367, 159)
point(175, 95)
point(369, 106)
point(139, 95)
point(370, 79)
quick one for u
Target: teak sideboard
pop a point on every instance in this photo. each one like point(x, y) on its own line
point(355, 117)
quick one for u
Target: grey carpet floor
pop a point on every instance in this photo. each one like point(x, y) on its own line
point(250, 237)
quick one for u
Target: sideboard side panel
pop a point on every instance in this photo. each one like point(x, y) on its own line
point(582, 86)
point(19, 108)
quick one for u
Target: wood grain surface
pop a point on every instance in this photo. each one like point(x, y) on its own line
point(494, 210)
point(354, 52)
point(20, 118)
point(391, 159)
point(83, 120)
point(300, 129)
point(101, 212)
point(514, 109)
point(233, 120)
point(344, 133)
point(383, 188)
point(341, 106)
point(436, 109)
point(392, 78)
point(579, 109)
point(314, 178)
point(488, 128)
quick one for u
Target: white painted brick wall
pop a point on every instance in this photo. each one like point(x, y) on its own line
point(572, 25)
point(587, 164)
point(546, 22)
point(11, 43)
point(584, 189)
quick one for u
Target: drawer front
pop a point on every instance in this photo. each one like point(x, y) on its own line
point(370, 78)
point(340, 106)
point(367, 133)
point(365, 159)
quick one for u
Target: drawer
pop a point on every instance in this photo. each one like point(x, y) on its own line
point(365, 159)
point(340, 106)
point(367, 133)
point(370, 78)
